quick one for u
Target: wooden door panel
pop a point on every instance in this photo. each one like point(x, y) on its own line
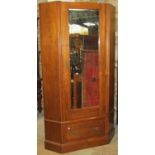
point(90, 79)
point(97, 109)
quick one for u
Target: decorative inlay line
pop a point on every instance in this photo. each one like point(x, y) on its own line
point(74, 121)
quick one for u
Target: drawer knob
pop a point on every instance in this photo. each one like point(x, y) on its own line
point(68, 128)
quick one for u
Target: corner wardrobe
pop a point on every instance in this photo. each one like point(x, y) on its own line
point(77, 52)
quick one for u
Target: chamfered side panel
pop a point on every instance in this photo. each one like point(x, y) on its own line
point(50, 51)
point(112, 65)
point(110, 45)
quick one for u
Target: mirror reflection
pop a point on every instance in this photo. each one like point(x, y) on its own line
point(83, 30)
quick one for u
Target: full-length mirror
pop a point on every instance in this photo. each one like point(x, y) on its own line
point(84, 59)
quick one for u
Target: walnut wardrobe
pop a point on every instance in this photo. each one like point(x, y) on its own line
point(77, 53)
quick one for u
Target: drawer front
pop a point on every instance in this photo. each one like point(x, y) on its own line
point(83, 130)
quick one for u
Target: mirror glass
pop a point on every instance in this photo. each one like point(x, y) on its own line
point(84, 67)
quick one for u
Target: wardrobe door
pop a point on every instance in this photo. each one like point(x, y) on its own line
point(83, 42)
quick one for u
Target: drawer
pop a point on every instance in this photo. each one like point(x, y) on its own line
point(83, 130)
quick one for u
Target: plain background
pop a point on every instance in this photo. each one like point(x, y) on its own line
point(18, 77)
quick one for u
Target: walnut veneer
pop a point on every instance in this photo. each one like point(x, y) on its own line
point(69, 129)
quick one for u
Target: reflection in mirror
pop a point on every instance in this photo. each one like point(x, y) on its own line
point(83, 30)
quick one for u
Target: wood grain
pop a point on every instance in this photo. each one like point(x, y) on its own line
point(69, 129)
point(50, 37)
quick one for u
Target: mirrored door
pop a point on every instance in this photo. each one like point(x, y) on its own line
point(84, 57)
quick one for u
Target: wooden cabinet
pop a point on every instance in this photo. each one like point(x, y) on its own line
point(77, 50)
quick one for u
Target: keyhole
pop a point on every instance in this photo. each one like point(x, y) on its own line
point(93, 79)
